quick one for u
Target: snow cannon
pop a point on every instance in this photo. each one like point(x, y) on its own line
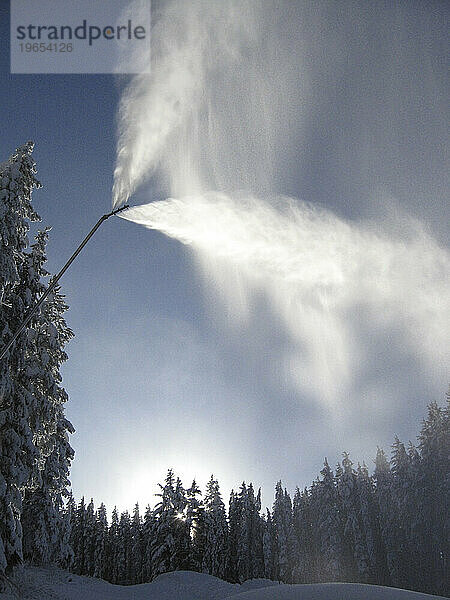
point(58, 277)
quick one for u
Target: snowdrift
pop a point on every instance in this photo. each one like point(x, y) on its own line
point(55, 584)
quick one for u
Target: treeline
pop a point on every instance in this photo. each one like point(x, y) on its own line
point(35, 453)
point(388, 528)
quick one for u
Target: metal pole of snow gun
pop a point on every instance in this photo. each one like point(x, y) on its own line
point(57, 278)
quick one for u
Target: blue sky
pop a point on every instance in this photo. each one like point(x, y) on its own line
point(153, 382)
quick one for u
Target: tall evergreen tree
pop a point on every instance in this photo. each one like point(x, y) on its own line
point(101, 542)
point(382, 478)
point(148, 529)
point(245, 539)
point(417, 531)
point(269, 546)
point(124, 549)
point(181, 529)
point(18, 454)
point(90, 538)
point(305, 515)
point(401, 508)
point(168, 536)
point(354, 544)
point(66, 555)
point(43, 524)
point(284, 534)
point(244, 534)
point(195, 527)
point(234, 521)
point(77, 538)
point(35, 453)
point(112, 549)
point(368, 521)
point(251, 559)
point(433, 482)
point(329, 527)
point(256, 544)
point(216, 531)
point(137, 550)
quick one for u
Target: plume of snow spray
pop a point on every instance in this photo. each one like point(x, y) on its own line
point(189, 40)
point(227, 102)
point(317, 269)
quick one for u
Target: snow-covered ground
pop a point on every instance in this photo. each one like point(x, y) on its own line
point(55, 584)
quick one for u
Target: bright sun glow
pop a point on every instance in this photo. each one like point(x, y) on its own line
point(142, 480)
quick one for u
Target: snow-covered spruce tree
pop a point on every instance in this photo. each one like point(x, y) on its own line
point(243, 567)
point(45, 535)
point(431, 525)
point(245, 539)
point(136, 550)
point(254, 526)
point(168, 535)
point(299, 562)
point(48, 541)
point(124, 550)
point(112, 549)
point(181, 530)
point(195, 525)
point(368, 520)
point(401, 509)
point(305, 520)
point(268, 546)
point(34, 448)
point(257, 542)
point(216, 531)
point(39, 518)
point(354, 551)
point(101, 535)
point(250, 559)
point(89, 539)
point(77, 538)
point(284, 534)
point(329, 527)
point(66, 529)
point(234, 527)
point(382, 478)
point(148, 528)
point(418, 534)
point(58, 486)
point(18, 454)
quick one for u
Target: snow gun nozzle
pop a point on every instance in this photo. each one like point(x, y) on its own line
point(118, 210)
